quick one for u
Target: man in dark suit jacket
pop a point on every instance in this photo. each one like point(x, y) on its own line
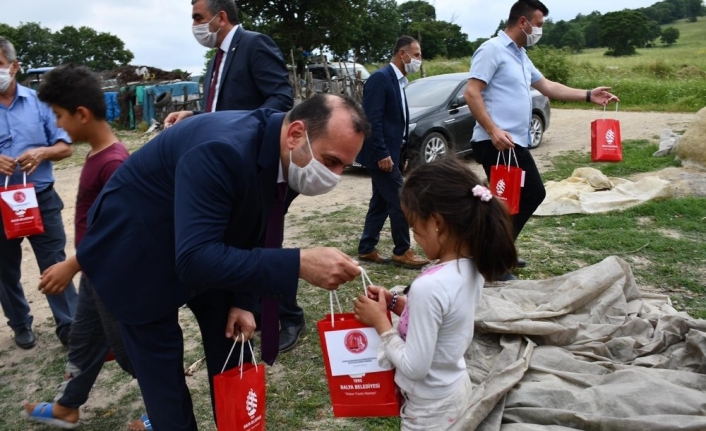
point(385, 105)
point(250, 74)
point(183, 221)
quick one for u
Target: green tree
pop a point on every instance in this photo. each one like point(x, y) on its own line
point(670, 36)
point(415, 12)
point(98, 51)
point(623, 31)
point(34, 45)
point(374, 40)
point(306, 24)
point(653, 33)
point(574, 40)
point(501, 27)
point(592, 29)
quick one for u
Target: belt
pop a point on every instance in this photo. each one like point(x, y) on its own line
point(46, 189)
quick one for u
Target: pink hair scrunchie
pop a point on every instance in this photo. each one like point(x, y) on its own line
point(482, 192)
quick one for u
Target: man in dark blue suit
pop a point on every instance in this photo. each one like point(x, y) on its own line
point(385, 105)
point(183, 221)
point(247, 72)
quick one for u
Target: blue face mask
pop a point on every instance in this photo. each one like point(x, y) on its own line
point(314, 178)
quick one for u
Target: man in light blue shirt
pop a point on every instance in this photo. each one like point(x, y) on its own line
point(498, 94)
point(29, 142)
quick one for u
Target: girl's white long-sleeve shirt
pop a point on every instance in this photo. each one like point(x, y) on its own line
point(440, 308)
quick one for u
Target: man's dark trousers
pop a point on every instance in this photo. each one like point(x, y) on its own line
point(385, 202)
point(533, 192)
point(157, 351)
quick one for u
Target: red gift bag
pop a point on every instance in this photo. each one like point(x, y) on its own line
point(240, 396)
point(359, 387)
point(506, 182)
point(606, 144)
point(20, 211)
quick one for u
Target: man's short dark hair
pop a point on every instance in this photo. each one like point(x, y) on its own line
point(71, 86)
point(316, 111)
point(7, 50)
point(525, 8)
point(227, 6)
point(403, 43)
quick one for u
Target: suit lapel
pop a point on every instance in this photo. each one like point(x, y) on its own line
point(396, 88)
point(207, 82)
point(230, 55)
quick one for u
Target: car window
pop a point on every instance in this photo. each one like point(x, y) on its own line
point(318, 73)
point(426, 93)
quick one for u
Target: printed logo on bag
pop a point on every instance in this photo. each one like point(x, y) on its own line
point(20, 213)
point(356, 342)
point(251, 404)
point(500, 187)
point(610, 136)
point(19, 197)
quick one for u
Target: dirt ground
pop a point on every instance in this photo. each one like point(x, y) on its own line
point(569, 130)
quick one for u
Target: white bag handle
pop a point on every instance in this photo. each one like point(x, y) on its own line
point(24, 180)
point(332, 293)
point(242, 354)
point(510, 156)
point(606, 106)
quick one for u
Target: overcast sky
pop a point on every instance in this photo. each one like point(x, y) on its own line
point(159, 35)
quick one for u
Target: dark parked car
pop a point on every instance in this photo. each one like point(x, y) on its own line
point(441, 123)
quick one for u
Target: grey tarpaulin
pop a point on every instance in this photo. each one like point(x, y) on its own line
point(586, 351)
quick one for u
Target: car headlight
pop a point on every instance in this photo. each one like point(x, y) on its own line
point(411, 128)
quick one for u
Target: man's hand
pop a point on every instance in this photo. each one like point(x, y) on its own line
point(7, 165)
point(501, 140)
point(240, 322)
point(55, 278)
point(386, 164)
point(601, 96)
point(31, 159)
point(327, 267)
point(175, 117)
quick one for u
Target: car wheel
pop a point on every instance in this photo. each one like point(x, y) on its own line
point(536, 130)
point(434, 146)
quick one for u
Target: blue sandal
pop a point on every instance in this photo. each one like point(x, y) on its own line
point(42, 413)
point(145, 423)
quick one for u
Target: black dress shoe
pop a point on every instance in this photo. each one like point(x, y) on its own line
point(288, 337)
point(24, 338)
point(507, 277)
point(521, 263)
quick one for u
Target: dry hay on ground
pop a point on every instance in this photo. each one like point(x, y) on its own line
point(692, 146)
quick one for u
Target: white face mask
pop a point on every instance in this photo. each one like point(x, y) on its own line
point(314, 178)
point(413, 66)
point(204, 35)
point(533, 37)
point(5, 79)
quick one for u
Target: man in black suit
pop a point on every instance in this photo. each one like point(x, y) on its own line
point(385, 105)
point(246, 73)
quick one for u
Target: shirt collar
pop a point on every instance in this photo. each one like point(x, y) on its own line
point(507, 41)
point(225, 45)
point(23, 91)
point(399, 75)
